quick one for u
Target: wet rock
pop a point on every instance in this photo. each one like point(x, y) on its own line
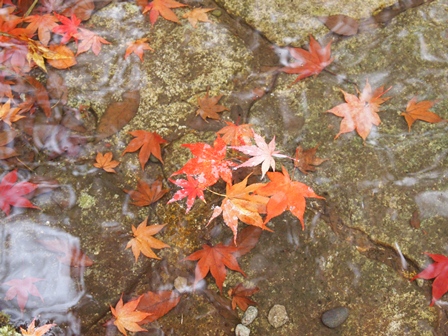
point(249, 315)
point(242, 330)
point(278, 316)
point(333, 318)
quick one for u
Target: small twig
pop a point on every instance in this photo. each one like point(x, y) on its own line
point(214, 192)
point(28, 12)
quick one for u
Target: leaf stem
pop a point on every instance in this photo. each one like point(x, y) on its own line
point(214, 192)
point(28, 12)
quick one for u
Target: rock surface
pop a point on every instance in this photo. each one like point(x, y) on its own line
point(334, 317)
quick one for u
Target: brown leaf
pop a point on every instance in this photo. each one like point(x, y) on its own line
point(208, 107)
point(340, 24)
point(105, 162)
point(5, 138)
point(415, 220)
point(247, 239)
point(56, 87)
point(306, 160)
point(240, 296)
point(118, 114)
point(40, 95)
point(83, 9)
point(157, 304)
point(146, 194)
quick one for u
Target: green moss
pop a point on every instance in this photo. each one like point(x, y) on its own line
point(86, 201)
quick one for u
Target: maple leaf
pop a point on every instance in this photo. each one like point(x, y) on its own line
point(360, 113)
point(71, 253)
point(5, 138)
point(148, 143)
point(146, 194)
point(105, 162)
point(61, 63)
point(240, 296)
point(240, 203)
point(138, 47)
point(310, 62)
point(420, 111)
point(157, 304)
point(439, 271)
point(39, 95)
point(22, 288)
point(237, 135)
point(44, 25)
point(162, 7)
point(8, 114)
point(209, 164)
point(11, 193)
point(208, 107)
point(37, 53)
point(69, 27)
point(215, 259)
point(305, 159)
point(126, 316)
point(285, 195)
point(191, 189)
point(33, 331)
point(261, 153)
point(89, 40)
point(197, 14)
point(144, 241)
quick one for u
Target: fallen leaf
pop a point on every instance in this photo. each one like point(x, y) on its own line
point(11, 193)
point(71, 253)
point(309, 63)
point(305, 159)
point(22, 288)
point(56, 87)
point(43, 24)
point(215, 259)
point(69, 27)
point(197, 14)
point(148, 143)
point(237, 135)
point(162, 7)
point(285, 194)
point(89, 40)
point(360, 113)
point(40, 95)
point(138, 47)
point(33, 331)
point(118, 114)
point(105, 162)
point(340, 24)
point(5, 138)
point(241, 203)
point(209, 163)
point(191, 189)
point(68, 61)
point(415, 220)
point(146, 194)
point(157, 304)
point(208, 107)
point(8, 114)
point(247, 239)
point(144, 241)
point(261, 152)
point(240, 296)
point(439, 271)
point(420, 111)
point(127, 317)
point(83, 9)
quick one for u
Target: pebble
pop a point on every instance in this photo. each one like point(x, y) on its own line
point(249, 315)
point(242, 330)
point(180, 283)
point(333, 318)
point(216, 13)
point(277, 316)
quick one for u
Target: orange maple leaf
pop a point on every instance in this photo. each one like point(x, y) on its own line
point(144, 241)
point(197, 14)
point(148, 143)
point(8, 114)
point(208, 107)
point(237, 135)
point(33, 331)
point(157, 304)
point(420, 111)
point(89, 40)
point(137, 47)
point(285, 195)
point(146, 194)
point(127, 317)
point(360, 113)
point(305, 159)
point(162, 7)
point(105, 162)
point(62, 63)
point(214, 259)
point(240, 296)
point(44, 25)
point(310, 62)
point(240, 203)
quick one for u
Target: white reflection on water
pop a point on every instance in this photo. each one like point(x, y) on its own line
point(432, 203)
point(22, 256)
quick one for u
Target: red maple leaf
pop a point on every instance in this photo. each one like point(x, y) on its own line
point(157, 304)
point(11, 193)
point(148, 143)
point(439, 271)
point(191, 189)
point(162, 7)
point(89, 40)
point(68, 29)
point(22, 288)
point(310, 62)
point(209, 164)
point(240, 296)
point(215, 259)
point(285, 195)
